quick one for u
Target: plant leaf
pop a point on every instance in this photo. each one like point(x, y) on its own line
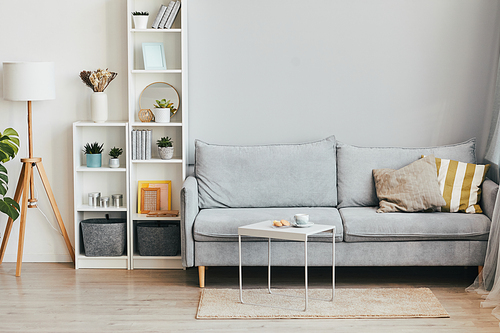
point(9, 207)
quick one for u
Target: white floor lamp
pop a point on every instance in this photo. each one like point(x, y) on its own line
point(30, 81)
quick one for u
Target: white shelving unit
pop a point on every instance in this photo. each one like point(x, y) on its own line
point(156, 169)
point(106, 180)
point(124, 180)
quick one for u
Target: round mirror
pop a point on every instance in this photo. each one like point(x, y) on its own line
point(157, 91)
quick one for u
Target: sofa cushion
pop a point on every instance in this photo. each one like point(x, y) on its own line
point(355, 165)
point(286, 175)
point(412, 188)
point(459, 184)
point(363, 224)
point(221, 224)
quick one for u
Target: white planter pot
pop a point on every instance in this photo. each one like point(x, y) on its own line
point(141, 21)
point(99, 107)
point(166, 153)
point(162, 115)
point(114, 162)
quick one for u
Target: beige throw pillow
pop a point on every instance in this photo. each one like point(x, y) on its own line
point(412, 188)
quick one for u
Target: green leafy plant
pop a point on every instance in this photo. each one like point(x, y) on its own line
point(164, 104)
point(9, 146)
point(140, 13)
point(93, 148)
point(115, 152)
point(164, 142)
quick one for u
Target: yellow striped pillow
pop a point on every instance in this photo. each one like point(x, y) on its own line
point(459, 184)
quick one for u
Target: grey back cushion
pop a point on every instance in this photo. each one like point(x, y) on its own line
point(355, 164)
point(282, 175)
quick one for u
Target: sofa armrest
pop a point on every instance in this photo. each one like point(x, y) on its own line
point(488, 197)
point(189, 210)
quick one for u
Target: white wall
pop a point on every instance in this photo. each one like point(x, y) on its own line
point(383, 73)
point(76, 35)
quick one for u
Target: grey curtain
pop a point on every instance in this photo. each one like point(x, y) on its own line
point(488, 281)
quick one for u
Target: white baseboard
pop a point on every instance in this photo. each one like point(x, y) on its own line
point(38, 258)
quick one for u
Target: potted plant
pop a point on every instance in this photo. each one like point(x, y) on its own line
point(9, 146)
point(114, 161)
point(165, 148)
point(140, 19)
point(163, 110)
point(93, 155)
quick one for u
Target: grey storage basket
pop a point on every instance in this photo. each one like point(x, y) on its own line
point(104, 237)
point(158, 238)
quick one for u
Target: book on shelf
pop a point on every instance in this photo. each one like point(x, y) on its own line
point(159, 16)
point(173, 15)
point(166, 15)
point(141, 144)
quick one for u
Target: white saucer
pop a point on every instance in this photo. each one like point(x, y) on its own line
point(307, 225)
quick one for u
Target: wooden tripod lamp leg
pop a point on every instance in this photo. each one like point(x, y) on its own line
point(22, 225)
point(46, 185)
point(10, 222)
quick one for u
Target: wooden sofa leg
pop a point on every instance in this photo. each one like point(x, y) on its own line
point(479, 269)
point(201, 276)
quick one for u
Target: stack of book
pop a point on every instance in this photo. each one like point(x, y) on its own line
point(166, 15)
point(141, 144)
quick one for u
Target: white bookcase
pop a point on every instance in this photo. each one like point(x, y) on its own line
point(106, 180)
point(124, 180)
point(156, 169)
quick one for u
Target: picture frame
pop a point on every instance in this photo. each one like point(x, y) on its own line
point(154, 56)
point(165, 187)
point(150, 199)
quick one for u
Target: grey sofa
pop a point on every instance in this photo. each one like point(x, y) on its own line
point(332, 182)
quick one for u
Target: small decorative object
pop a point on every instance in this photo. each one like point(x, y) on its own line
point(114, 161)
point(149, 96)
point(146, 115)
point(94, 199)
point(93, 153)
point(165, 148)
point(117, 200)
point(98, 81)
point(165, 187)
point(164, 110)
point(140, 20)
point(105, 202)
point(150, 199)
point(154, 56)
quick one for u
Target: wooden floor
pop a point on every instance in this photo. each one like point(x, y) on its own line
point(52, 297)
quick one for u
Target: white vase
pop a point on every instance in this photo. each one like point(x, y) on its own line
point(141, 21)
point(166, 153)
point(162, 115)
point(99, 107)
point(114, 162)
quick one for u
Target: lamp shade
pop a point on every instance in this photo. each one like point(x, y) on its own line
point(28, 81)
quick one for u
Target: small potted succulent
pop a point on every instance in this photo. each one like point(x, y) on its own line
point(140, 20)
point(114, 161)
point(164, 110)
point(165, 148)
point(93, 153)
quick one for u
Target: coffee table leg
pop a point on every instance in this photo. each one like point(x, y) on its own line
point(305, 265)
point(241, 279)
point(269, 265)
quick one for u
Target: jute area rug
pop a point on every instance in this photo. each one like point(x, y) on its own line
point(348, 303)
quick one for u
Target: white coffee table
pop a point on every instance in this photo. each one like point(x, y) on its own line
point(266, 229)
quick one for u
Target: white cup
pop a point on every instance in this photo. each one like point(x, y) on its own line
point(301, 219)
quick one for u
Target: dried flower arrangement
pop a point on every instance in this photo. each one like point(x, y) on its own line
point(98, 80)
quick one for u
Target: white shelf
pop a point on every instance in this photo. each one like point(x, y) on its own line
point(87, 208)
point(120, 262)
point(156, 30)
point(106, 123)
point(144, 217)
point(83, 168)
point(164, 71)
point(147, 262)
point(153, 124)
point(158, 161)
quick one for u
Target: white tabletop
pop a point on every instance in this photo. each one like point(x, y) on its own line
point(267, 230)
